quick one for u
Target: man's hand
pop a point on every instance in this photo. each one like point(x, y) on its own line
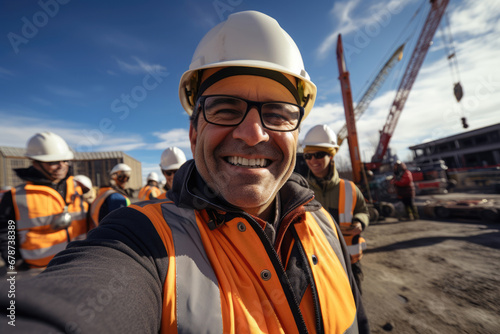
point(354, 229)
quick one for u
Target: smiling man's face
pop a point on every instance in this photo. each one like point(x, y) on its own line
point(245, 164)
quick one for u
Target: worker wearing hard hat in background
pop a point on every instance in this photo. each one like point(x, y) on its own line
point(405, 188)
point(171, 160)
point(241, 246)
point(150, 190)
point(111, 197)
point(340, 197)
point(40, 217)
point(86, 184)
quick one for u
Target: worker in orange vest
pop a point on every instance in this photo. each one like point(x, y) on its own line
point(111, 197)
point(40, 217)
point(340, 197)
point(150, 190)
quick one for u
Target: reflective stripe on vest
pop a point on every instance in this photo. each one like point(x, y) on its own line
point(198, 296)
point(347, 202)
point(36, 207)
point(347, 197)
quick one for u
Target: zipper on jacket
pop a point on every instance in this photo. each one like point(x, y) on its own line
point(283, 278)
point(317, 308)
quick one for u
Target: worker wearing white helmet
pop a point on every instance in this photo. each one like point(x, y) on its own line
point(171, 160)
point(150, 190)
point(238, 225)
point(342, 198)
point(88, 190)
point(113, 196)
point(48, 208)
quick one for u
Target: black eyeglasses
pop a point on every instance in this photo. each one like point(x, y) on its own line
point(169, 172)
point(317, 155)
point(53, 163)
point(227, 110)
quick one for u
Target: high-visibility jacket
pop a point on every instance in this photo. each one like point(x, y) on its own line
point(95, 208)
point(36, 208)
point(344, 201)
point(149, 192)
point(225, 276)
point(347, 202)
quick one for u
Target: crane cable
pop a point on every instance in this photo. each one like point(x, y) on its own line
point(451, 55)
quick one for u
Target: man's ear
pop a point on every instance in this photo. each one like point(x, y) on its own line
point(193, 135)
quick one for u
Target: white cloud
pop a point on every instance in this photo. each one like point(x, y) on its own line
point(4, 73)
point(16, 130)
point(64, 92)
point(139, 67)
point(355, 16)
point(431, 111)
point(174, 137)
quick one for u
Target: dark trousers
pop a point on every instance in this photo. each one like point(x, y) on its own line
point(410, 207)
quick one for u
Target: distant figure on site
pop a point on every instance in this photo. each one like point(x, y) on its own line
point(405, 189)
point(47, 211)
point(150, 190)
point(340, 197)
point(86, 184)
point(171, 160)
point(111, 197)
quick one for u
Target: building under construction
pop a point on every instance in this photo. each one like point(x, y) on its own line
point(95, 165)
point(471, 149)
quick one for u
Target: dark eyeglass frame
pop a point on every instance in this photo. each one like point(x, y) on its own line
point(318, 155)
point(250, 104)
point(53, 163)
point(169, 172)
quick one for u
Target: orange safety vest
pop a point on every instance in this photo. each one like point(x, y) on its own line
point(347, 202)
point(223, 280)
point(148, 190)
point(36, 208)
point(102, 195)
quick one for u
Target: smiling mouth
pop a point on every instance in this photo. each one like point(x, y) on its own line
point(250, 163)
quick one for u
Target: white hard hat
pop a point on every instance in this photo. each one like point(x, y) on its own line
point(121, 167)
point(153, 177)
point(172, 158)
point(84, 180)
point(47, 146)
point(247, 39)
point(322, 136)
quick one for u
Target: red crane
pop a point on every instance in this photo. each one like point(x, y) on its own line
point(429, 28)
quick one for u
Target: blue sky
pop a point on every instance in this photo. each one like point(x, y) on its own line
point(104, 74)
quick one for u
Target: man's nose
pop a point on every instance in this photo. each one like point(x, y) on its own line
point(251, 130)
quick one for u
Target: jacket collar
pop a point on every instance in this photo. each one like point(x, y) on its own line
point(331, 181)
point(33, 175)
point(191, 191)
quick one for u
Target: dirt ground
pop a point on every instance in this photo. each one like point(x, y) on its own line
point(432, 276)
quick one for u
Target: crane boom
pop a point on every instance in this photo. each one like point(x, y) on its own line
point(431, 24)
point(345, 86)
point(370, 93)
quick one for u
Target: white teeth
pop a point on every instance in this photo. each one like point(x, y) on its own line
point(254, 163)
